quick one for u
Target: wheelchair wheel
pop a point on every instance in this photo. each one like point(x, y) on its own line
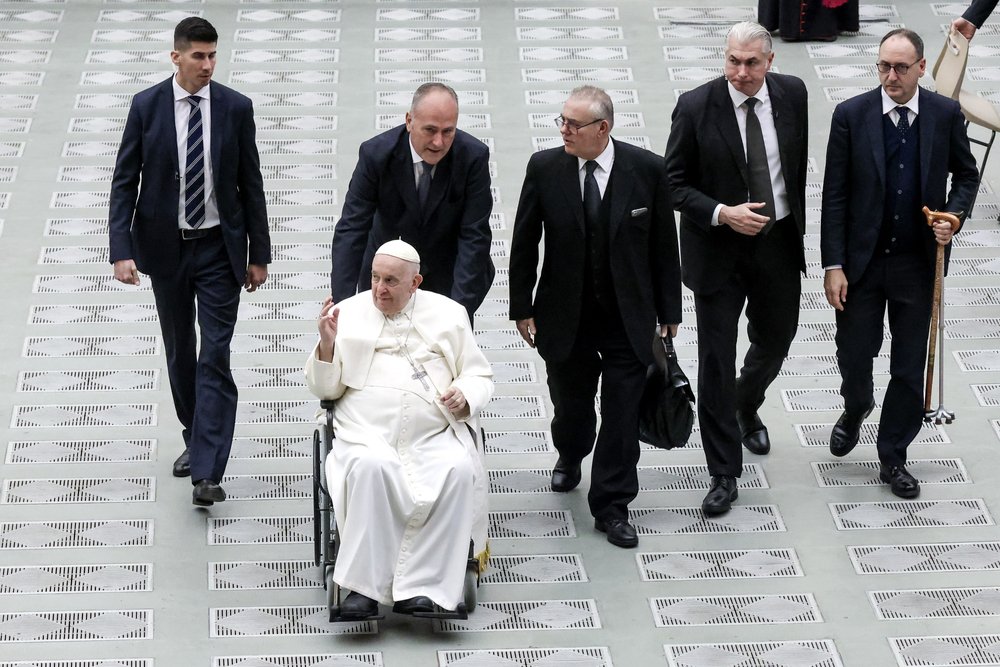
point(331, 589)
point(470, 590)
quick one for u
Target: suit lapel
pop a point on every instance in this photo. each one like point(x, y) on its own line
point(403, 174)
point(873, 122)
point(784, 126)
point(220, 111)
point(925, 124)
point(621, 183)
point(569, 179)
point(729, 129)
point(168, 121)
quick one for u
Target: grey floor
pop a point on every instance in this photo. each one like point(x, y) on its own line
point(103, 560)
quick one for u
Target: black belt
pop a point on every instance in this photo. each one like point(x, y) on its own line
point(195, 234)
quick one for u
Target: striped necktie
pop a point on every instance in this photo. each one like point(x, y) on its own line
point(194, 172)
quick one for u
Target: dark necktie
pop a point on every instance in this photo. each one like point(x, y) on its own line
point(904, 122)
point(591, 199)
point(760, 174)
point(424, 182)
point(194, 172)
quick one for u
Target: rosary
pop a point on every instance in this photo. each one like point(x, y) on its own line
point(418, 373)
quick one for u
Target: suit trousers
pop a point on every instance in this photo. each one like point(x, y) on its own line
point(601, 351)
point(201, 382)
point(902, 284)
point(766, 279)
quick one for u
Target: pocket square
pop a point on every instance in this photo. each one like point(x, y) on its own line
point(636, 212)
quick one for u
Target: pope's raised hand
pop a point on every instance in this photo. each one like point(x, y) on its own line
point(329, 315)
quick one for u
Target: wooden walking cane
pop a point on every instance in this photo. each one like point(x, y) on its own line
point(937, 324)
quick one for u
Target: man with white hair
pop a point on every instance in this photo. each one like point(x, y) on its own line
point(405, 474)
point(736, 159)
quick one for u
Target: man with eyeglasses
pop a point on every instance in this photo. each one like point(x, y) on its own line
point(609, 278)
point(736, 157)
point(890, 153)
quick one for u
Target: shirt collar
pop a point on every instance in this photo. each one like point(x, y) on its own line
point(888, 104)
point(181, 94)
point(739, 98)
point(413, 153)
point(605, 160)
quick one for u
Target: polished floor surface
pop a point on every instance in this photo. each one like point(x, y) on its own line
point(105, 563)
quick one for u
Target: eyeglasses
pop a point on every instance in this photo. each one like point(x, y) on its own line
point(573, 126)
point(901, 68)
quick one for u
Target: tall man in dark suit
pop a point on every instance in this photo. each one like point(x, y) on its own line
point(736, 158)
point(428, 183)
point(974, 17)
point(610, 274)
point(187, 208)
point(890, 153)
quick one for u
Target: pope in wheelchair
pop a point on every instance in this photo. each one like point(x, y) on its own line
point(405, 468)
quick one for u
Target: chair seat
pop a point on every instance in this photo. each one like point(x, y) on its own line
point(979, 110)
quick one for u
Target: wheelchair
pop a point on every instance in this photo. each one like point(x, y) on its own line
point(326, 539)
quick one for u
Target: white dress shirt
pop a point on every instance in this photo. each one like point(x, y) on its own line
point(767, 129)
point(602, 173)
point(182, 112)
point(418, 165)
point(889, 107)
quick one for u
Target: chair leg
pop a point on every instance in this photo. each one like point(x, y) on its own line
point(982, 167)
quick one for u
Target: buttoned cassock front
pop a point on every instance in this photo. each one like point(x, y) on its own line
point(406, 478)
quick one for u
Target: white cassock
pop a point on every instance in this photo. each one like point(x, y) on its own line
point(406, 478)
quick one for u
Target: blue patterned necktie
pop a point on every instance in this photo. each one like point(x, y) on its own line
point(194, 172)
point(904, 122)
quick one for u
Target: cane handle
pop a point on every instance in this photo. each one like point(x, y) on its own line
point(939, 216)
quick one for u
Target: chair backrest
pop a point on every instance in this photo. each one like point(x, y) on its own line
point(949, 70)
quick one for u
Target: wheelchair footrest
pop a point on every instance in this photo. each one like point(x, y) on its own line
point(335, 617)
point(460, 613)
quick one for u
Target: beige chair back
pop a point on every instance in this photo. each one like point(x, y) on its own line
point(949, 70)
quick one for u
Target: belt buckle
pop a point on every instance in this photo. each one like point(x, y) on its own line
point(191, 234)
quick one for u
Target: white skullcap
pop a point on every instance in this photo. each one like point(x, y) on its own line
point(400, 250)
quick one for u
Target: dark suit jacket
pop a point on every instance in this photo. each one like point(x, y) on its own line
point(642, 249)
point(706, 164)
point(979, 11)
point(854, 184)
point(142, 218)
point(452, 235)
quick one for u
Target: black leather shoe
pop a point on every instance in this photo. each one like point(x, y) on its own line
point(620, 532)
point(753, 433)
point(182, 466)
point(847, 431)
point(206, 493)
point(720, 495)
point(902, 483)
point(565, 476)
point(421, 603)
point(357, 607)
